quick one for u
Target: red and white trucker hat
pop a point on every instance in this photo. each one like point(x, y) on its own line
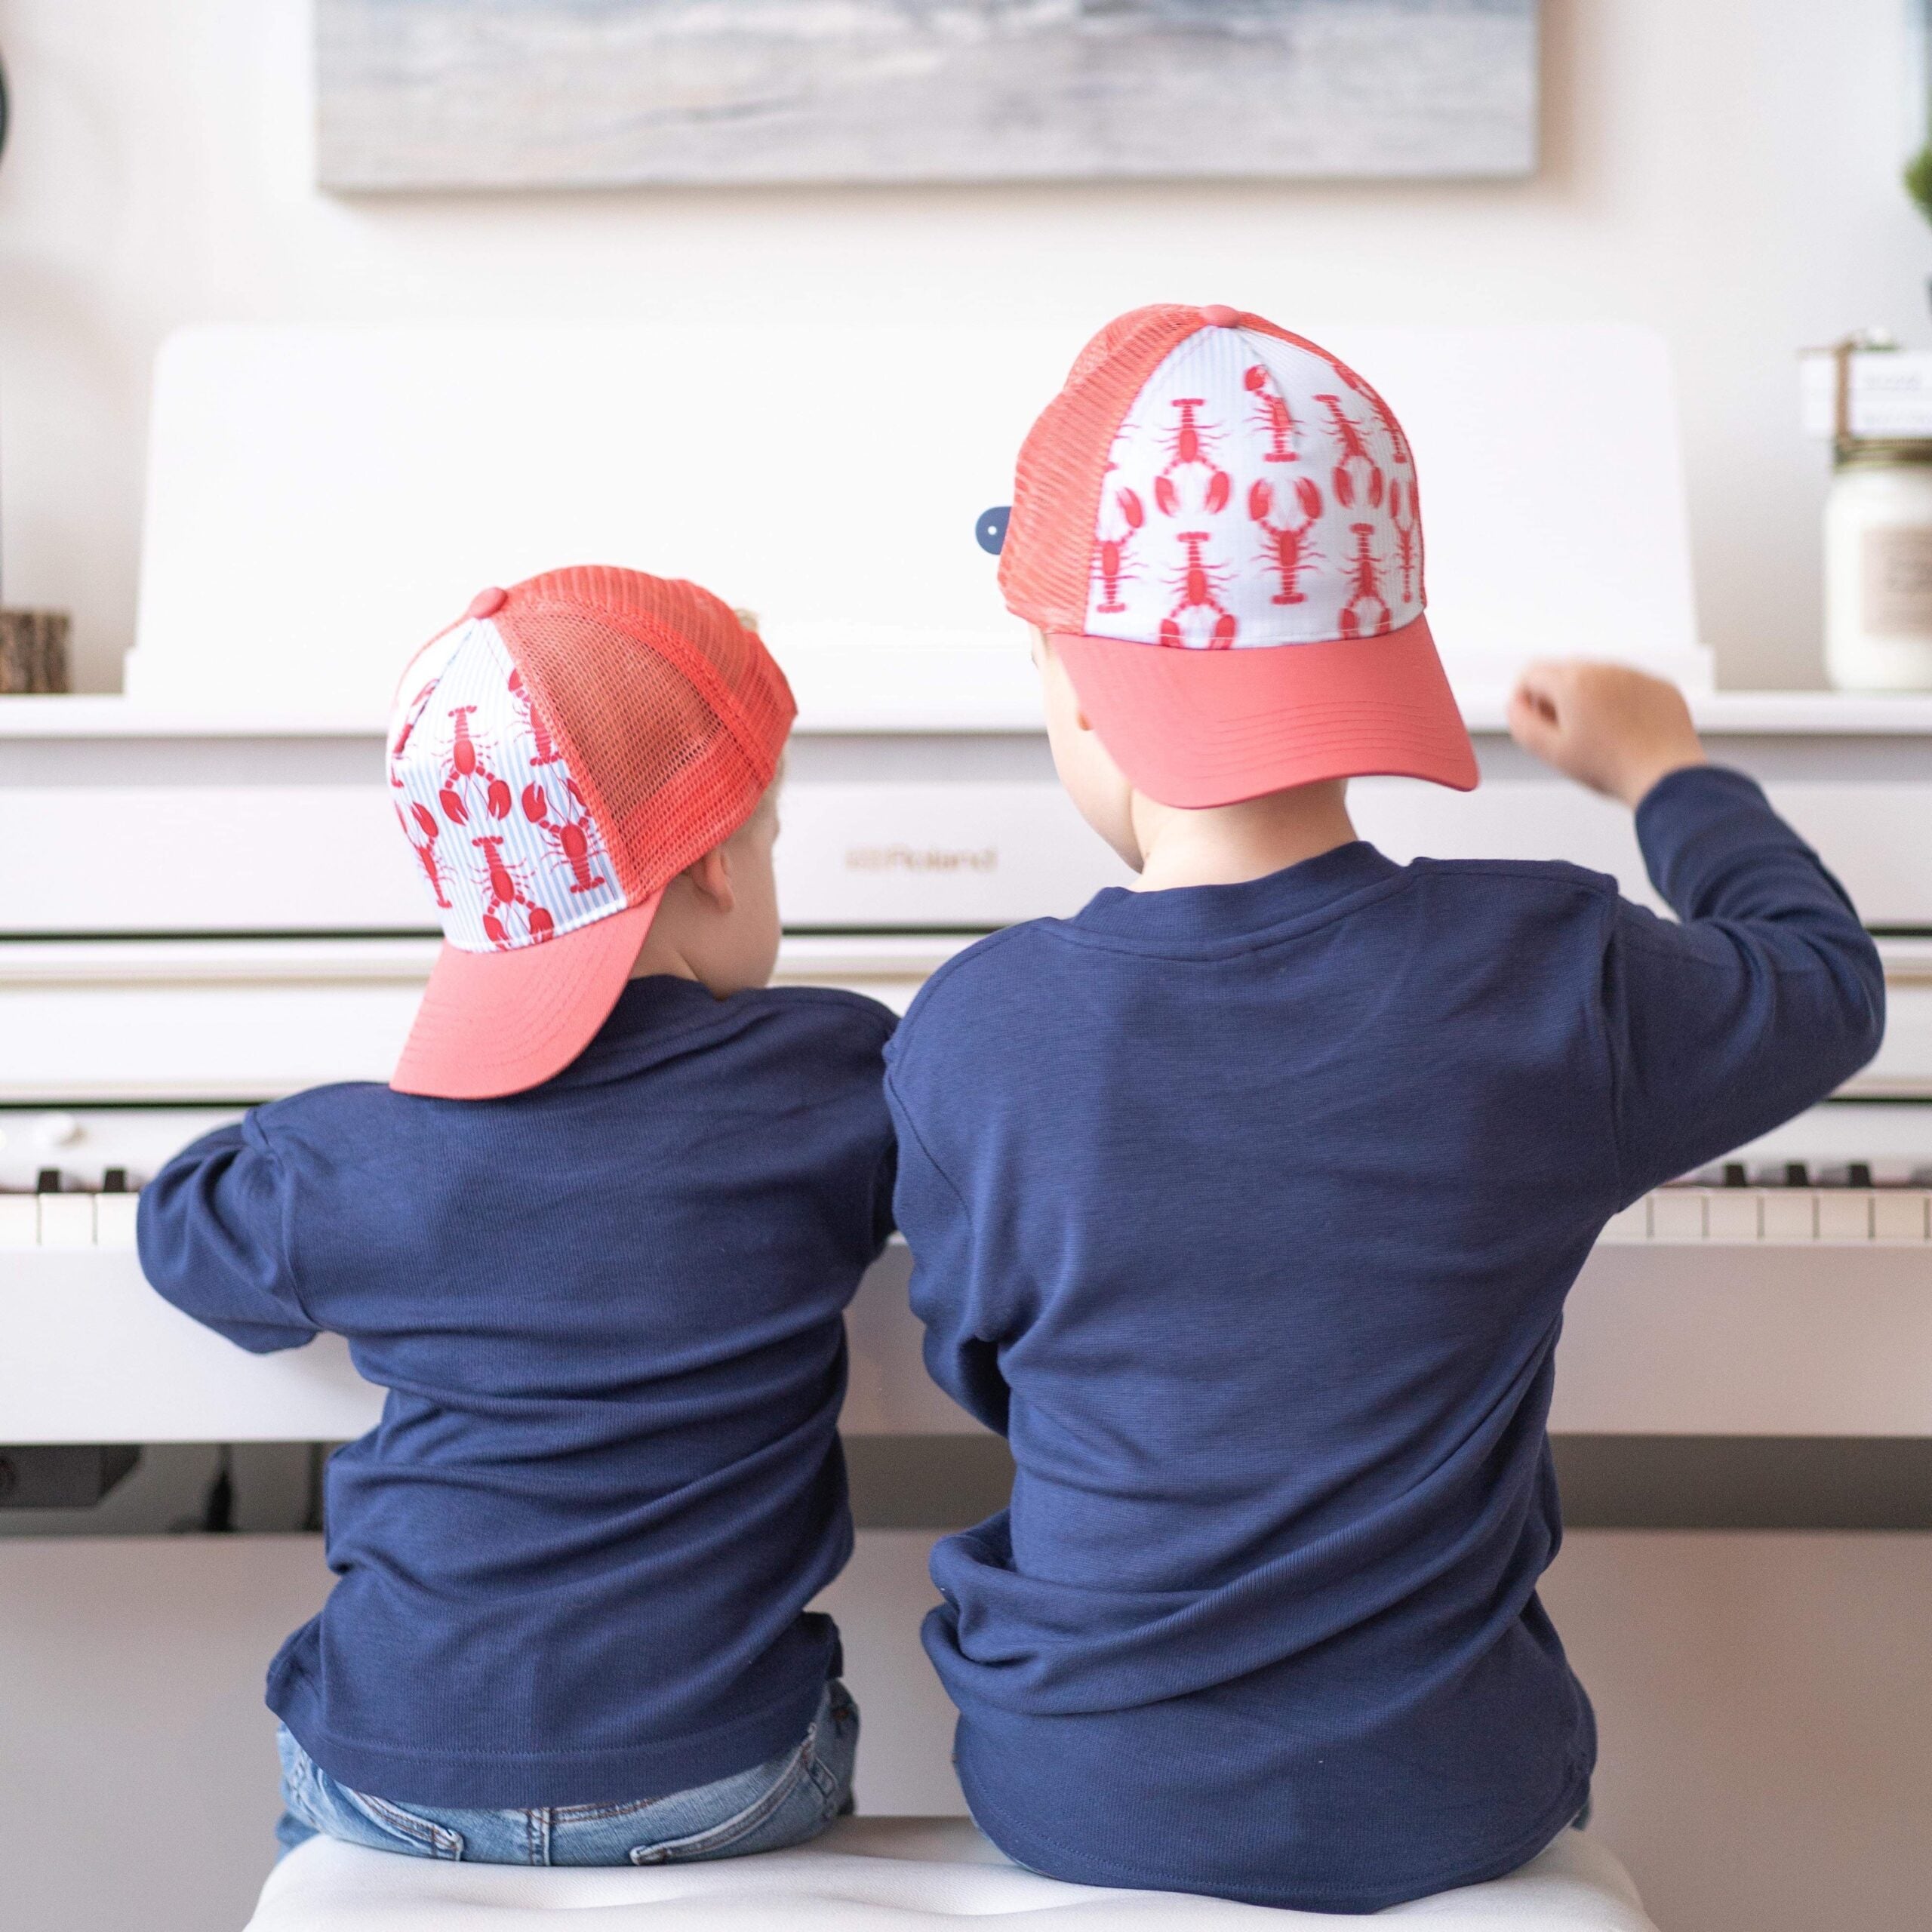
point(557, 758)
point(1217, 523)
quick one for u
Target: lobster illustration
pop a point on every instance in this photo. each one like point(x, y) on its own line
point(1110, 555)
point(468, 768)
point(411, 717)
point(425, 820)
point(1397, 443)
point(571, 836)
point(1405, 513)
point(1353, 459)
point(1199, 583)
point(1189, 448)
point(547, 753)
point(1288, 550)
point(1366, 600)
point(1272, 412)
point(504, 880)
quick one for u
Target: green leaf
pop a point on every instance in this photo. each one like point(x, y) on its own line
point(1918, 180)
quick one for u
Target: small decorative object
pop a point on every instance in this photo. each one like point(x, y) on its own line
point(1879, 524)
point(415, 94)
point(33, 652)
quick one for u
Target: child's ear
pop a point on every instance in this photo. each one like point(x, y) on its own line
point(1047, 664)
point(712, 876)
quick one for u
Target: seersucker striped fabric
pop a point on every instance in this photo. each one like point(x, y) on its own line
point(509, 849)
point(1257, 493)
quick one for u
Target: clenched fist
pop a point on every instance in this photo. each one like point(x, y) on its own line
point(1608, 727)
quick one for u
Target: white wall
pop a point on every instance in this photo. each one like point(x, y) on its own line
point(1724, 169)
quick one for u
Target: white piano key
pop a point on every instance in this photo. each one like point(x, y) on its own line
point(1845, 1213)
point(19, 1221)
point(66, 1220)
point(114, 1219)
point(1898, 1214)
point(1633, 1224)
point(1731, 1213)
point(1789, 1214)
point(1677, 1213)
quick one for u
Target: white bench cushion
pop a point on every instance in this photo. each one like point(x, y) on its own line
point(874, 1875)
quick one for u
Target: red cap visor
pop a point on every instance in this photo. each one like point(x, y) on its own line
point(1196, 728)
point(495, 1023)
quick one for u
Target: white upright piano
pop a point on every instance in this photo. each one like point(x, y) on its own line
point(204, 903)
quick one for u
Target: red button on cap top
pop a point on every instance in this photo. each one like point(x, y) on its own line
point(487, 603)
point(1219, 316)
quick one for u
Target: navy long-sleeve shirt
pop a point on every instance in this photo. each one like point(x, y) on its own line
point(1248, 1212)
point(574, 1556)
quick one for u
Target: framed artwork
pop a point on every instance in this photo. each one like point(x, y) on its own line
point(416, 94)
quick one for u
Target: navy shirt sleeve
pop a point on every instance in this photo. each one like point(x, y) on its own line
point(213, 1227)
point(1768, 997)
point(961, 1345)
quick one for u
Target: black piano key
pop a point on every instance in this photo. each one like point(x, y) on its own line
point(1734, 1175)
point(1859, 1174)
point(1797, 1174)
point(47, 1181)
point(114, 1181)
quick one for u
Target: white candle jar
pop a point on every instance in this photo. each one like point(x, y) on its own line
point(1879, 567)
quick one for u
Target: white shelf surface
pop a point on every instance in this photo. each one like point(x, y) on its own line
point(1719, 714)
point(93, 715)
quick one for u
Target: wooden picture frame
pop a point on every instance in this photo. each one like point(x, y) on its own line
point(456, 94)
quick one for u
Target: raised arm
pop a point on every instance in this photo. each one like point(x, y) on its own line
point(1768, 995)
point(211, 1227)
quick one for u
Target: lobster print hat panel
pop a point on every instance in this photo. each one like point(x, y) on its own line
point(1217, 523)
point(557, 758)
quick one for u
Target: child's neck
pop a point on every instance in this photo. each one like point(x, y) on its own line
point(1227, 844)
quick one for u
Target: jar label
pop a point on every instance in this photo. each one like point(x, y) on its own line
point(1898, 581)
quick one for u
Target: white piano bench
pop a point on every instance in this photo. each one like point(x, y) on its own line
point(874, 1875)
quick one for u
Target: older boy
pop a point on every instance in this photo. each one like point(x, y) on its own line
point(596, 1238)
point(1245, 1202)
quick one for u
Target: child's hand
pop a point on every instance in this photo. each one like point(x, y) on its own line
point(1608, 727)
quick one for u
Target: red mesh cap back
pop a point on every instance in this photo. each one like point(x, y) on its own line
point(671, 712)
point(1045, 566)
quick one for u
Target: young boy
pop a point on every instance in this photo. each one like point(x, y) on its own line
point(596, 1238)
point(1245, 1202)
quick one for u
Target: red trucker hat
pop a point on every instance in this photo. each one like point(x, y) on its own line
point(1216, 522)
point(557, 758)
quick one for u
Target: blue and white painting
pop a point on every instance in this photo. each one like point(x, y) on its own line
point(479, 94)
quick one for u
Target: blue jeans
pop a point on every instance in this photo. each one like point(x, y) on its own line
point(790, 1798)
